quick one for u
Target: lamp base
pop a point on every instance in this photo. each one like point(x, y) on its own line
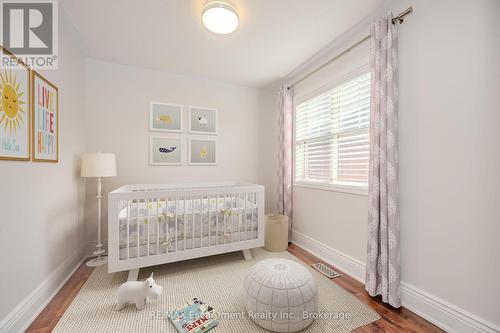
point(99, 261)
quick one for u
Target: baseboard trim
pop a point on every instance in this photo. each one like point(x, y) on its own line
point(345, 263)
point(19, 319)
point(430, 307)
point(442, 313)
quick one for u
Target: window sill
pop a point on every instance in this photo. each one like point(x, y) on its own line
point(334, 188)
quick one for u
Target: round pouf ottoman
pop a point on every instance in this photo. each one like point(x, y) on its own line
point(281, 295)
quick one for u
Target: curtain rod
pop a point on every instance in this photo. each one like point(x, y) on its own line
point(397, 19)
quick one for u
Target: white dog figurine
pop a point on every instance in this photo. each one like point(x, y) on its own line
point(137, 292)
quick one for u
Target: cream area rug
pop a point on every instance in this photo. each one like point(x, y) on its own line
point(218, 280)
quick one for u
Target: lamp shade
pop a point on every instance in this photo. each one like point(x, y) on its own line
point(98, 165)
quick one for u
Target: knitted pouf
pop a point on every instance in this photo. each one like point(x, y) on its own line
point(281, 295)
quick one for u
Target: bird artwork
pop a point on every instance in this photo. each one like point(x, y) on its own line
point(202, 121)
point(166, 150)
point(165, 118)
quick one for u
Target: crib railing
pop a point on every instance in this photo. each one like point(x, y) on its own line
point(151, 225)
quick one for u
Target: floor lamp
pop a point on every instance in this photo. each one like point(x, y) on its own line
point(98, 165)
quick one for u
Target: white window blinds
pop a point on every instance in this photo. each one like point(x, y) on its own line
point(331, 135)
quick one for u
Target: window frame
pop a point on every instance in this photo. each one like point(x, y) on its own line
point(350, 189)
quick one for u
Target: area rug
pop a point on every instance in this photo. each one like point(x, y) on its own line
point(218, 280)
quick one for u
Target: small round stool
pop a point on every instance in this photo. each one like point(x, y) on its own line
point(281, 295)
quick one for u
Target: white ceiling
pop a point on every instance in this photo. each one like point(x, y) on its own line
point(274, 36)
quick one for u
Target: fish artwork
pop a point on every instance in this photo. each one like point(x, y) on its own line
point(166, 150)
point(165, 118)
point(202, 121)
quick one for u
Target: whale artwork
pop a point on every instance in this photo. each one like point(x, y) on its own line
point(166, 150)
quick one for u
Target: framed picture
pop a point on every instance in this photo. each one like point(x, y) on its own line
point(202, 120)
point(45, 116)
point(165, 151)
point(15, 108)
point(165, 117)
point(202, 152)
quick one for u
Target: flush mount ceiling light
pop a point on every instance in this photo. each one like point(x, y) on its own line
point(220, 17)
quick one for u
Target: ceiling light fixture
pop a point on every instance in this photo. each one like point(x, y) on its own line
point(220, 17)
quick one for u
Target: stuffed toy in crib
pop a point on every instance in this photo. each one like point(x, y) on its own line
point(137, 292)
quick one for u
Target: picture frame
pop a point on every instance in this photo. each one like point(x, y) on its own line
point(202, 120)
point(202, 151)
point(165, 117)
point(45, 120)
point(165, 150)
point(15, 116)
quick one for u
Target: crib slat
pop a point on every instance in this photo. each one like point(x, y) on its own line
point(245, 217)
point(253, 208)
point(167, 248)
point(148, 222)
point(158, 223)
point(201, 222)
point(209, 198)
point(167, 233)
point(185, 222)
point(175, 210)
point(128, 229)
point(192, 222)
point(239, 217)
point(225, 219)
point(233, 215)
point(138, 227)
point(217, 220)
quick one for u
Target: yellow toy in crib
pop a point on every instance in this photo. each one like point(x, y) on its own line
point(167, 243)
point(165, 118)
point(167, 216)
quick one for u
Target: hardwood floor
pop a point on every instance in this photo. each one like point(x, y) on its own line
point(48, 318)
point(401, 320)
point(393, 320)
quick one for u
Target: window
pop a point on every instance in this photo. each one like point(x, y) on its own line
point(332, 136)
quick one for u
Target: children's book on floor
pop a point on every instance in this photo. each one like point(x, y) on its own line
point(195, 317)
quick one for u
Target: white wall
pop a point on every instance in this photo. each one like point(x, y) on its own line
point(449, 160)
point(328, 216)
point(117, 121)
point(268, 147)
point(41, 223)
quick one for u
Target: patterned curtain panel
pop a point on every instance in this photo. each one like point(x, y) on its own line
point(285, 153)
point(383, 261)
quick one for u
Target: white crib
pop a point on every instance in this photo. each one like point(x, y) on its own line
point(156, 224)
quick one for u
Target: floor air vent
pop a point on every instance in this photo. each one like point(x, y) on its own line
point(325, 270)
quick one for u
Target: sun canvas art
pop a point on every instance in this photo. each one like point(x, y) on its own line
point(12, 107)
point(14, 113)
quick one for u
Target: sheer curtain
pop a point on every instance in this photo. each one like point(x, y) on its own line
point(285, 158)
point(383, 259)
